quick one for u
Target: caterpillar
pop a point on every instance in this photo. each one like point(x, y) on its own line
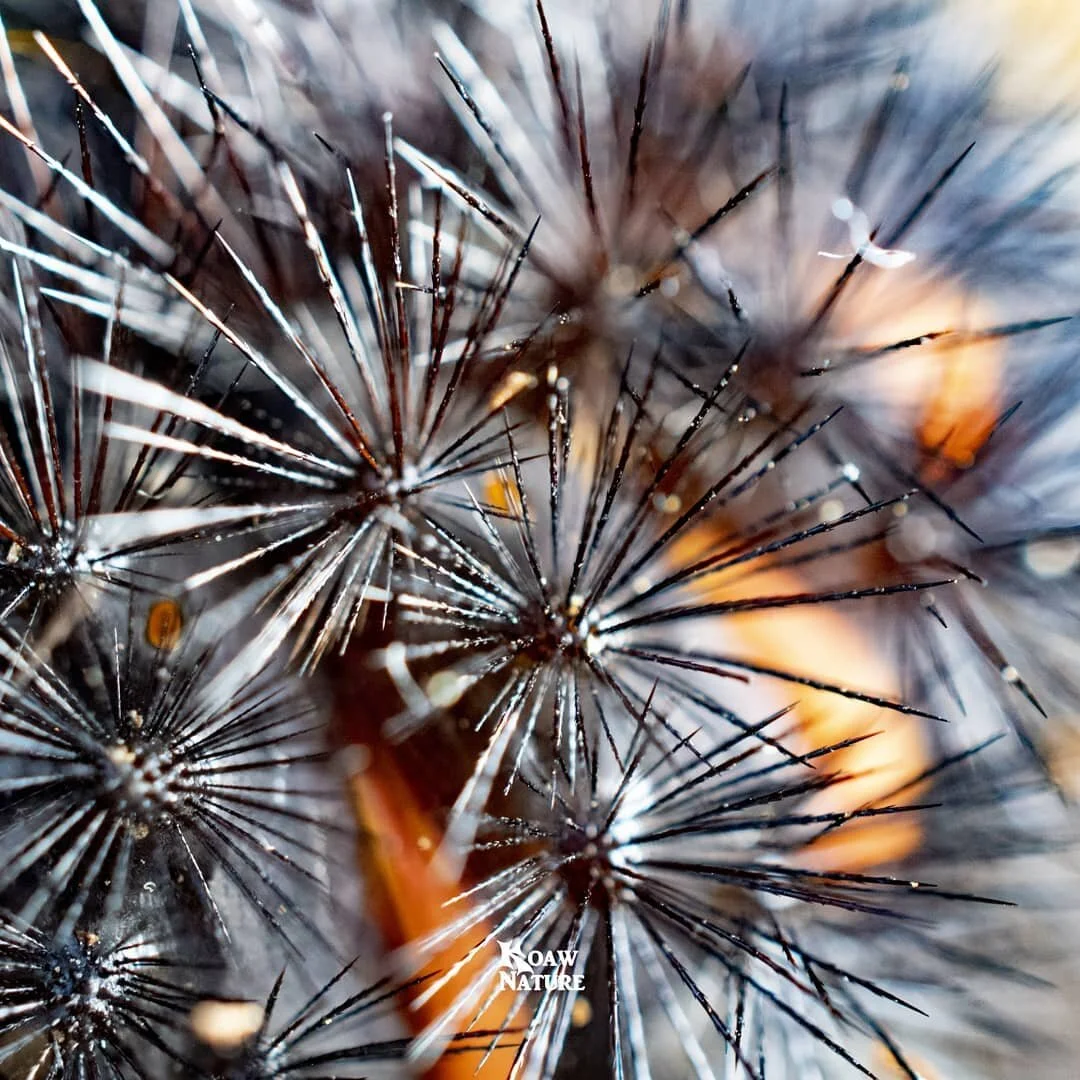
point(646, 433)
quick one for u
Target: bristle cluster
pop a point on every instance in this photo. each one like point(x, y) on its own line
point(623, 461)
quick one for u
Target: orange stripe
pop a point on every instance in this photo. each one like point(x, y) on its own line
point(823, 644)
point(410, 889)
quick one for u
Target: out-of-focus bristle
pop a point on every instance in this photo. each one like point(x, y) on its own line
point(80, 1004)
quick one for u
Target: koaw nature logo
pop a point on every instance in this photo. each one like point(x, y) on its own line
point(537, 969)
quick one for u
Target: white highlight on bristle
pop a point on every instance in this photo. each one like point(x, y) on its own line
point(1052, 557)
point(112, 382)
point(843, 209)
point(176, 151)
point(20, 107)
point(109, 532)
point(139, 234)
point(467, 198)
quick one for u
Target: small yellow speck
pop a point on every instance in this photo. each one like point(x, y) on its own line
point(164, 625)
point(581, 1013)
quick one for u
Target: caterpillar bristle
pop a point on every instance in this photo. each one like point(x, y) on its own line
point(143, 779)
point(684, 874)
point(586, 603)
point(83, 1004)
point(398, 405)
point(332, 1028)
point(922, 373)
point(60, 472)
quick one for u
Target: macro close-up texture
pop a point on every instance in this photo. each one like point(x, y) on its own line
point(539, 539)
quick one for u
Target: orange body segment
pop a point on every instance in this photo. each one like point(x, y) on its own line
point(412, 889)
point(821, 643)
